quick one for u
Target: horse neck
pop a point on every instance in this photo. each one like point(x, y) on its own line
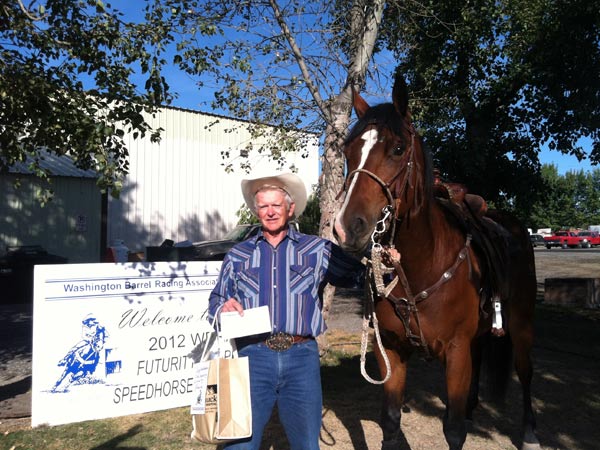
point(415, 233)
point(426, 236)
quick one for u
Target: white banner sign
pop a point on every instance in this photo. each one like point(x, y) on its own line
point(113, 339)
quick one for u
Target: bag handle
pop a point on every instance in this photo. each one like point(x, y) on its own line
point(216, 325)
point(202, 351)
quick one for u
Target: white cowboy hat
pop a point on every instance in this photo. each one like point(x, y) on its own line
point(289, 182)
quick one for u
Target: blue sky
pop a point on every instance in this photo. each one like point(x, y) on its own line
point(565, 163)
point(190, 96)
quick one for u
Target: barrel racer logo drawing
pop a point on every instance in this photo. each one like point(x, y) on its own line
point(82, 361)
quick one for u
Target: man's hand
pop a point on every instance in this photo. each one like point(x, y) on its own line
point(390, 256)
point(233, 305)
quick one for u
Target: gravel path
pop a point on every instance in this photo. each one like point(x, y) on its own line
point(15, 360)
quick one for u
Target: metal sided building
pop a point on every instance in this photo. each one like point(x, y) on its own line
point(179, 188)
point(176, 189)
point(68, 226)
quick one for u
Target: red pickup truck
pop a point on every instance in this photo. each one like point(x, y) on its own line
point(589, 238)
point(564, 239)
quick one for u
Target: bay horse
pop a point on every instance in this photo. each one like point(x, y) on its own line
point(455, 270)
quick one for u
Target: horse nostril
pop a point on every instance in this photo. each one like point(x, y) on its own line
point(359, 226)
point(352, 231)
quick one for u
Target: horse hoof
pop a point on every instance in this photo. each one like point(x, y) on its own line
point(531, 446)
point(530, 440)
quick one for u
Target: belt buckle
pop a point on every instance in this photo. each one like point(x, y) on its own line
point(280, 342)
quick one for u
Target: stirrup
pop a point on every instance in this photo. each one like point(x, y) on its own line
point(497, 329)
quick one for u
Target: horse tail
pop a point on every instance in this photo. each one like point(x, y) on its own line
point(497, 363)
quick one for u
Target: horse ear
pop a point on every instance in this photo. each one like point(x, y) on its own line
point(400, 95)
point(359, 103)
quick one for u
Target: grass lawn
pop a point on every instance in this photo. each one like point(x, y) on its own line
point(161, 430)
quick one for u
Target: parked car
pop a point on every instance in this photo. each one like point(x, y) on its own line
point(589, 238)
point(16, 271)
point(215, 250)
point(564, 239)
point(537, 239)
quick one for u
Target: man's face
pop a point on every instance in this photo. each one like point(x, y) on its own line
point(272, 210)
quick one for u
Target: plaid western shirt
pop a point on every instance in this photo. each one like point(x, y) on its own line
point(289, 279)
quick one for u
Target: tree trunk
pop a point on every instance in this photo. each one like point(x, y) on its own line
point(365, 26)
point(331, 182)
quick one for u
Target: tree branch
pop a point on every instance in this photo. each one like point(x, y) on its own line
point(369, 30)
point(299, 59)
point(29, 14)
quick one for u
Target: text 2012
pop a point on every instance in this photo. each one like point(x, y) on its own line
point(166, 342)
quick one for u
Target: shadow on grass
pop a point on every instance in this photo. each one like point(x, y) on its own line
point(115, 443)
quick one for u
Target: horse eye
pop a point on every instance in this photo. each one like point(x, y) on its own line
point(398, 150)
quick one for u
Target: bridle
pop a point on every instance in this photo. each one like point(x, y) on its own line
point(399, 186)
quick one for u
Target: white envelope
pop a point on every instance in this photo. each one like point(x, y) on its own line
point(254, 321)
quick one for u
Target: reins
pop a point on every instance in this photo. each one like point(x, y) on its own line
point(405, 307)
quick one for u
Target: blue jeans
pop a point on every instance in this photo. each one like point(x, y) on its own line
point(292, 380)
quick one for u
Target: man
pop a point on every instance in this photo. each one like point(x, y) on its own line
point(286, 271)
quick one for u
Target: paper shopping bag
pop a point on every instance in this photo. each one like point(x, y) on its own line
point(222, 411)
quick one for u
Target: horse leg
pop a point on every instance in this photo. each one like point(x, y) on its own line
point(458, 382)
point(393, 399)
point(521, 332)
point(473, 399)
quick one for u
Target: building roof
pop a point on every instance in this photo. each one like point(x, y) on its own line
point(58, 165)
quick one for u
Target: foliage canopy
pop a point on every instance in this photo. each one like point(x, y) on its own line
point(69, 75)
point(494, 81)
point(567, 201)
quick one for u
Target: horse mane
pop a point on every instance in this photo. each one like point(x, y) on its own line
point(427, 170)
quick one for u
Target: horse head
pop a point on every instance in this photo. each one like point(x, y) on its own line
point(386, 170)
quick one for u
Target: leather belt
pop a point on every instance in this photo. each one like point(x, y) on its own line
point(278, 342)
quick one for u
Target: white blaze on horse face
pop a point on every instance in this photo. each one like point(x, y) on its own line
point(370, 139)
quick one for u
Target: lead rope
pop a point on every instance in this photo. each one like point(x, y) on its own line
point(374, 273)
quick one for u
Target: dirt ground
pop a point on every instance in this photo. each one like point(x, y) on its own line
point(565, 386)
